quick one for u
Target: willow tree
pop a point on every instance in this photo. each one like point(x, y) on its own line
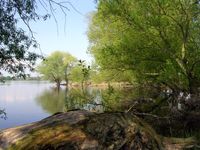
point(15, 41)
point(157, 40)
point(57, 67)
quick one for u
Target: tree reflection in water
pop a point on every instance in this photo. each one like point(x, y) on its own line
point(52, 100)
point(91, 99)
point(55, 100)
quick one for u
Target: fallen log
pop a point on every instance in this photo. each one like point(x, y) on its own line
point(85, 130)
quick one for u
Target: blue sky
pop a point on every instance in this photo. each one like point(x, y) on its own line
point(72, 37)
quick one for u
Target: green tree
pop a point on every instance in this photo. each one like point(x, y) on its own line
point(85, 72)
point(57, 67)
point(81, 72)
point(157, 40)
point(14, 43)
point(76, 74)
point(14, 40)
point(15, 56)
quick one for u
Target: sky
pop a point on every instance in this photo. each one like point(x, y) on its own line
point(70, 36)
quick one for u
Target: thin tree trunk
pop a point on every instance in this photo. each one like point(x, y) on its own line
point(58, 84)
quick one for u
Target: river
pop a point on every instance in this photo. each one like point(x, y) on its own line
point(29, 101)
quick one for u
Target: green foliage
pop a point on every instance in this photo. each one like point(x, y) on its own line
point(156, 40)
point(3, 114)
point(14, 42)
point(80, 72)
point(85, 70)
point(55, 100)
point(52, 101)
point(57, 66)
point(76, 74)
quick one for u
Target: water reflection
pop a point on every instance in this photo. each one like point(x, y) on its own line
point(18, 99)
point(92, 99)
point(51, 100)
point(29, 101)
point(20, 91)
point(54, 100)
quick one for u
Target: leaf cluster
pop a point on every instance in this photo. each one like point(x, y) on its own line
point(157, 40)
point(57, 66)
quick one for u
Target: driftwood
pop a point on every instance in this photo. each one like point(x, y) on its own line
point(85, 130)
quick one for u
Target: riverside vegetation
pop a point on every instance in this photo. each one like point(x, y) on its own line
point(152, 45)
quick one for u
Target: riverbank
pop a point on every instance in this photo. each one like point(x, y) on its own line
point(86, 130)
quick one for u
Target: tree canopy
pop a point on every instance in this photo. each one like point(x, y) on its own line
point(158, 41)
point(15, 42)
point(57, 67)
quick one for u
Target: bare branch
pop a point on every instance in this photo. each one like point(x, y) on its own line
point(59, 4)
point(65, 19)
point(52, 12)
point(44, 5)
point(150, 115)
point(74, 8)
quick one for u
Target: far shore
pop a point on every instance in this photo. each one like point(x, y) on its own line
point(88, 84)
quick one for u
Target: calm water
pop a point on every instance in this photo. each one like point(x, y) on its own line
point(29, 101)
point(19, 99)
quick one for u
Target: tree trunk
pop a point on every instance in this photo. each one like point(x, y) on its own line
point(58, 84)
point(193, 85)
point(67, 82)
point(66, 77)
point(83, 130)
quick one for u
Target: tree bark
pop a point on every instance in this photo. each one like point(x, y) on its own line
point(58, 84)
point(83, 130)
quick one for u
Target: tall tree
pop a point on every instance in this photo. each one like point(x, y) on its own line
point(15, 42)
point(158, 40)
point(57, 67)
point(15, 56)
